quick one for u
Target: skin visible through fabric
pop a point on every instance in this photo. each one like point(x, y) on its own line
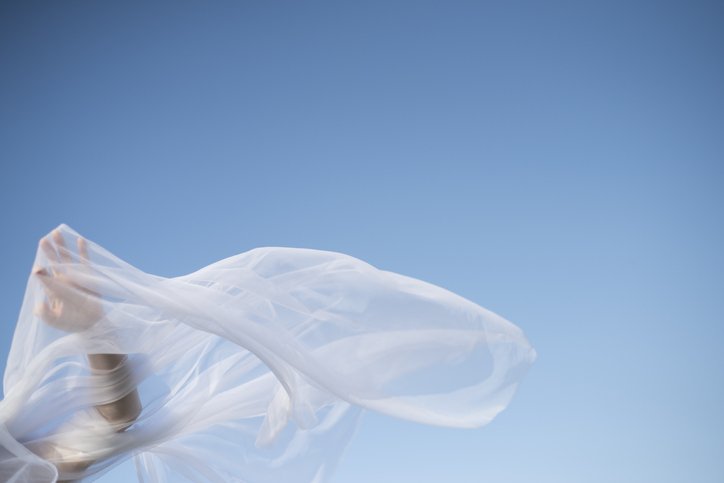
point(253, 369)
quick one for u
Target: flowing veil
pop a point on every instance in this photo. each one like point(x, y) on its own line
point(252, 369)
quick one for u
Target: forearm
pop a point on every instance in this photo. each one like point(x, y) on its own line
point(120, 414)
point(124, 411)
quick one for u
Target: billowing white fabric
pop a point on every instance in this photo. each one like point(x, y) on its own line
point(253, 369)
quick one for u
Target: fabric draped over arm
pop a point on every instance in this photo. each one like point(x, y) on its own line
point(252, 369)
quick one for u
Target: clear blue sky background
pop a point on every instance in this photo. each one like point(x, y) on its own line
point(560, 163)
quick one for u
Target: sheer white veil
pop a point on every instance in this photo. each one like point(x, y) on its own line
point(252, 369)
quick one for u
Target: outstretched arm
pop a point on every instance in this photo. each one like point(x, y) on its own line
point(73, 308)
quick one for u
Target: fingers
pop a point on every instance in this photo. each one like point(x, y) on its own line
point(58, 252)
point(48, 249)
point(62, 249)
point(59, 279)
point(82, 249)
point(57, 287)
point(46, 278)
point(39, 271)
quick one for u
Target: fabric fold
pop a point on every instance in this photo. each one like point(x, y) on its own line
point(254, 368)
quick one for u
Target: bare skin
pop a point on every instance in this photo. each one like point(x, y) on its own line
point(74, 308)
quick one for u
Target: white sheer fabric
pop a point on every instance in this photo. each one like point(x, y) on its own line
point(253, 369)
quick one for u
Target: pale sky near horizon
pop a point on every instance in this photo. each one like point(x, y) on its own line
point(560, 163)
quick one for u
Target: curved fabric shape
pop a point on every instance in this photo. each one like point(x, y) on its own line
point(253, 369)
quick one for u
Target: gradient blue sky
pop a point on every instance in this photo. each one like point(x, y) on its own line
point(560, 163)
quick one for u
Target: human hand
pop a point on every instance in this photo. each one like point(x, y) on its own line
point(69, 305)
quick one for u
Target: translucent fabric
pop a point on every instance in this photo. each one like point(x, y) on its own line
point(253, 369)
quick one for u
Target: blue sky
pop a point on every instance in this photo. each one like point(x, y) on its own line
point(560, 163)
